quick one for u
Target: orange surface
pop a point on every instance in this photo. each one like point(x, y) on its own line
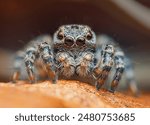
point(65, 94)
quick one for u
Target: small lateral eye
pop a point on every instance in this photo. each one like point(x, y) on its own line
point(44, 42)
point(89, 36)
point(60, 35)
point(68, 41)
point(80, 41)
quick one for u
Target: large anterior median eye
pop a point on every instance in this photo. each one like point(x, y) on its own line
point(80, 41)
point(68, 41)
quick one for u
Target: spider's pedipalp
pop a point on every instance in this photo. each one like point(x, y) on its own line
point(66, 64)
point(84, 63)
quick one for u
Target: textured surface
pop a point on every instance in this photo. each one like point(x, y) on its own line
point(65, 94)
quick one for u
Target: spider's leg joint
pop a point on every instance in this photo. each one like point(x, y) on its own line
point(119, 63)
point(29, 59)
point(104, 66)
point(46, 54)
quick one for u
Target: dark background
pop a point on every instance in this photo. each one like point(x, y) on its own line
point(20, 21)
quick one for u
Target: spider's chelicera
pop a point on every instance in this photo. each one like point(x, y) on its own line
point(74, 50)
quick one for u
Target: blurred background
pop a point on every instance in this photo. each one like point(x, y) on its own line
point(127, 21)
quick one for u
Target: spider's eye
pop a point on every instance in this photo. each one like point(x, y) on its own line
point(68, 41)
point(44, 42)
point(80, 41)
point(89, 36)
point(60, 36)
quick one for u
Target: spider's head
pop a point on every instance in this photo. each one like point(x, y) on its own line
point(74, 36)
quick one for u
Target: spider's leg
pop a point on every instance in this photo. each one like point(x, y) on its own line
point(30, 58)
point(119, 64)
point(129, 73)
point(46, 55)
point(103, 67)
point(17, 65)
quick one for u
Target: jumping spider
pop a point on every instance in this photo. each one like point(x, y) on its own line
point(74, 50)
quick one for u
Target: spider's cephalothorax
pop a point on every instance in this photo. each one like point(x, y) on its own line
point(74, 47)
point(74, 37)
point(74, 50)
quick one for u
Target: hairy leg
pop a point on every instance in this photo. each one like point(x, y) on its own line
point(103, 67)
point(119, 64)
point(46, 54)
point(17, 65)
point(30, 58)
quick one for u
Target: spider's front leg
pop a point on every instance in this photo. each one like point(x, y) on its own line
point(17, 65)
point(103, 67)
point(46, 54)
point(119, 64)
point(30, 58)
